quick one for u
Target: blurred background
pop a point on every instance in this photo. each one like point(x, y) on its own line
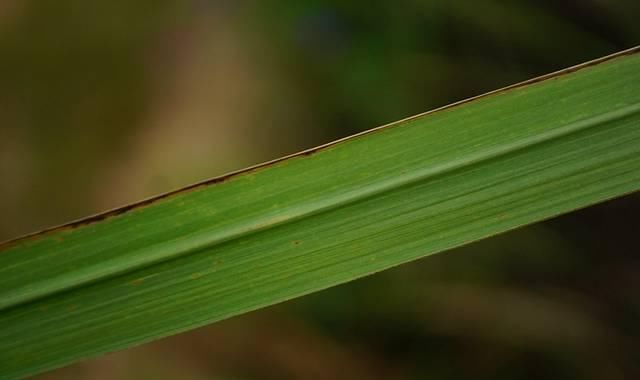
point(105, 102)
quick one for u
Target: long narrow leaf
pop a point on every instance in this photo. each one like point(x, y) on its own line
point(321, 217)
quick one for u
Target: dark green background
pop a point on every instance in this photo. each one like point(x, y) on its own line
point(103, 103)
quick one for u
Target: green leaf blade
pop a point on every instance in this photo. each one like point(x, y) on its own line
point(321, 218)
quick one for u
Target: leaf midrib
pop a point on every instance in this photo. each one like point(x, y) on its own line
point(203, 239)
